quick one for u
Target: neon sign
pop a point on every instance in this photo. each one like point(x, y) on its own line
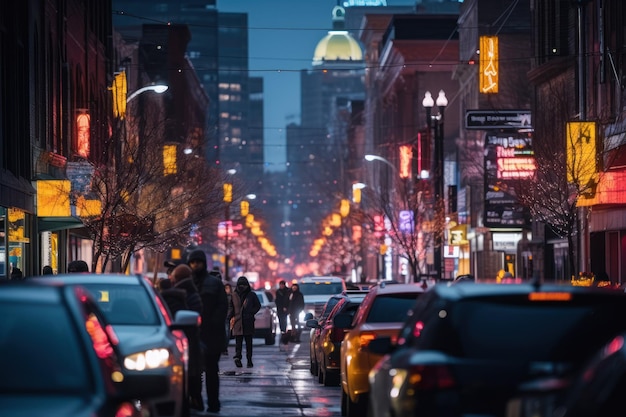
point(488, 72)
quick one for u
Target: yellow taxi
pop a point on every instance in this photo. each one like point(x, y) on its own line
point(382, 313)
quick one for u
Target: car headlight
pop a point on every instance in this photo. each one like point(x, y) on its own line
point(149, 359)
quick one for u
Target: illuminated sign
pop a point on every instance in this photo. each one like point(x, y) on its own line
point(169, 160)
point(497, 119)
point(508, 158)
point(509, 165)
point(406, 157)
point(488, 72)
point(406, 221)
point(610, 190)
point(581, 152)
point(83, 126)
point(53, 198)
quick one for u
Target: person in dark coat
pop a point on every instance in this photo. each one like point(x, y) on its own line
point(212, 332)
point(296, 305)
point(244, 304)
point(282, 305)
point(182, 281)
point(175, 298)
point(47, 270)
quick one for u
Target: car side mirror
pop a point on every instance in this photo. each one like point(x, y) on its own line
point(308, 316)
point(312, 323)
point(185, 319)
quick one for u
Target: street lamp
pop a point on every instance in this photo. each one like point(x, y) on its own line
point(370, 158)
point(157, 88)
point(428, 104)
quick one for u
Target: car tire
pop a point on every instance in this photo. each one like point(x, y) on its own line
point(357, 408)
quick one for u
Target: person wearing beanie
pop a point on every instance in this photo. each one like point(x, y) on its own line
point(212, 332)
point(244, 304)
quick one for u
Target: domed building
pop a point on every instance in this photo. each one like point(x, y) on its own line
point(338, 45)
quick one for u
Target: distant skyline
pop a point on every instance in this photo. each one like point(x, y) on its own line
point(282, 38)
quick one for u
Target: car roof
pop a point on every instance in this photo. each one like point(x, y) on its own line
point(86, 278)
point(477, 290)
point(321, 279)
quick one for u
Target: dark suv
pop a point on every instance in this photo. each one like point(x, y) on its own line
point(470, 349)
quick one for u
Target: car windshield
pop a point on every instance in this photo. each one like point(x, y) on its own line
point(538, 331)
point(125, 304)
point(41, 351)
point(391, 308)
point(320, 288)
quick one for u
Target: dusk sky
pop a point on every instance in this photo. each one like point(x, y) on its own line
point(282, 37)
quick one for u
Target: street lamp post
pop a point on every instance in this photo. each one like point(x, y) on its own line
point(157, 88)
point(438, 119)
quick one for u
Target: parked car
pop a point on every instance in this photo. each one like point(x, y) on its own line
point(266, 319)
point(382, 313)
point(473, 349)
point(60, 357)
point(327, 345)
point(316, 326)
point(316, 291)
point(151, 341)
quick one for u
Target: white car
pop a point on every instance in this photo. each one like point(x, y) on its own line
point(266, 319)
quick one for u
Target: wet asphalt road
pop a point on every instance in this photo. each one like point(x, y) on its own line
point(279, 384)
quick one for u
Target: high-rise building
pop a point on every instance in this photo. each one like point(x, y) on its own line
point(218, 50)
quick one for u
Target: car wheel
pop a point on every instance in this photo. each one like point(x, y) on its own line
point(344, 402)
point(357, 408)
point(330, 379)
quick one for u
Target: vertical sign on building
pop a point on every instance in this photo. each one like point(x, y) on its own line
point(581, 153)
point(488, 76)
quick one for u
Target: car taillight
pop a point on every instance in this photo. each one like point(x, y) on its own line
point(126, 410)
point(429, 377)
point(365, 338)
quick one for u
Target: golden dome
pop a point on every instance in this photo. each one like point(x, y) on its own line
point(338, 45)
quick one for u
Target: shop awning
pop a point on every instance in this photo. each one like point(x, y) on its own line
point(52, 224)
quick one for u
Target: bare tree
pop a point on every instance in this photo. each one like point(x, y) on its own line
point(150, 192)
point(412, 220)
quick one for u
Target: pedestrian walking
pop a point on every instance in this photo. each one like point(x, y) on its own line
point(212, 333)
point(282, 305)
point(181, 277)
point(228, 288)
point(16, 273)
point(244, 304)
point(296, 305)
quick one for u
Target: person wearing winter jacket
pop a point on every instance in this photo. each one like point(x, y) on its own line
point(244, 304)
point(212, 332)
